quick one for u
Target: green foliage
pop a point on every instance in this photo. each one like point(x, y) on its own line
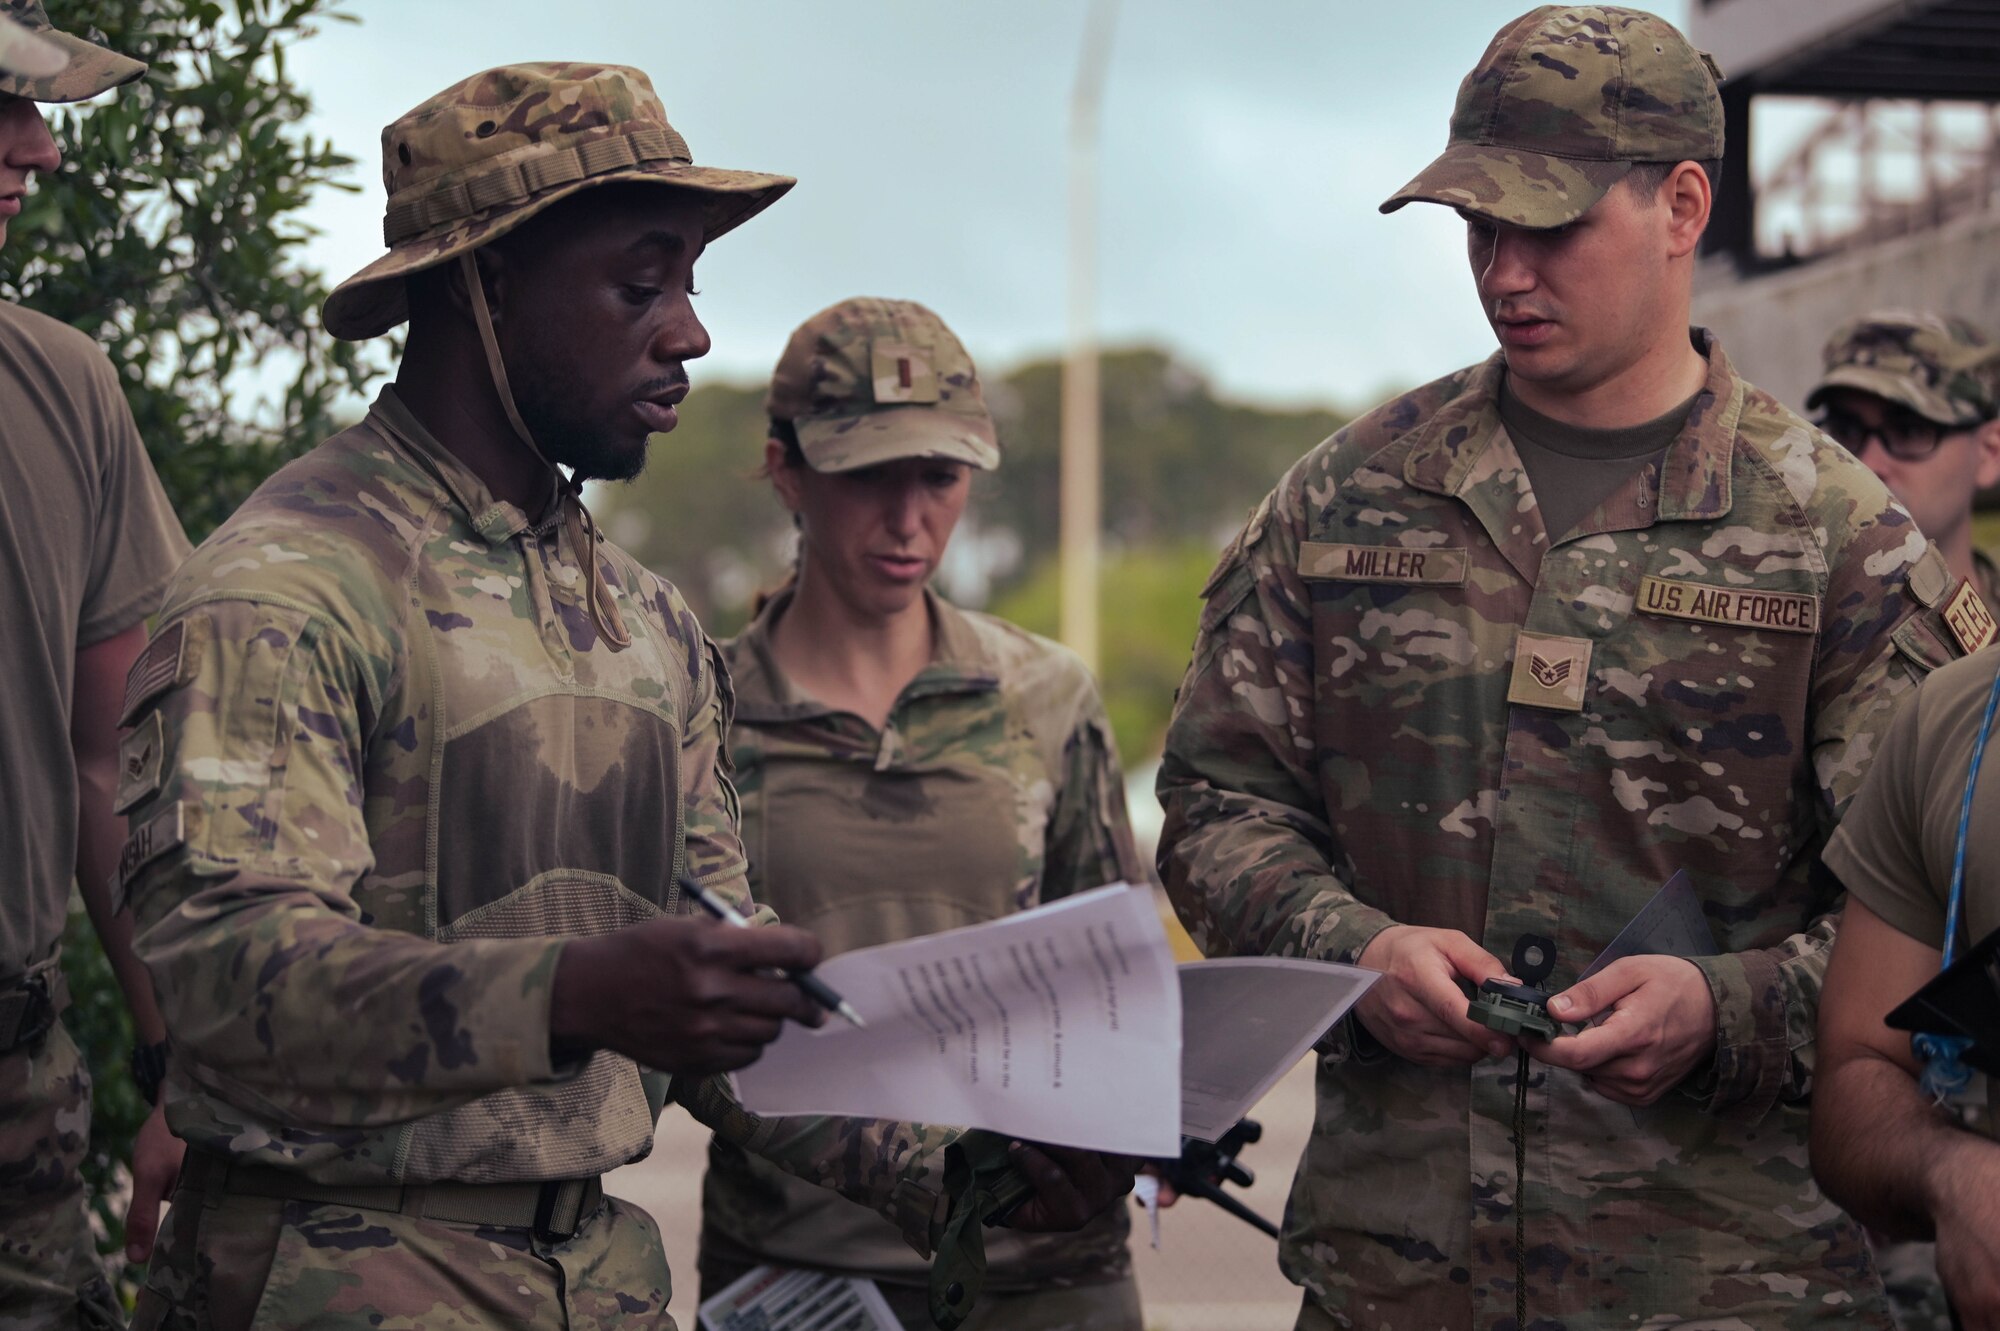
point(1151, 606)
point(171, 235)
point(102, 1028)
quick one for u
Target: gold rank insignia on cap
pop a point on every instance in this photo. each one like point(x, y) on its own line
point(1550, 671)
point(1969, 619)
point(902, 373)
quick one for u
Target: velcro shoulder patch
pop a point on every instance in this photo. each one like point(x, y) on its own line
point(1918, 639)
point(168, 660)
point(1966, 615)
point(165, 831)
point(1738, 607)
point(1442, 566)
point(1930, 578)
point(139, 756)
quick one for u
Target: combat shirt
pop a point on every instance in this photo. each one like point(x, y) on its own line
point(87, 543)
point(1407, 705)
point(1894, 850)
point(993, 786)
point(401, 768)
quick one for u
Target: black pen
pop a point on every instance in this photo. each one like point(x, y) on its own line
point(813, 987)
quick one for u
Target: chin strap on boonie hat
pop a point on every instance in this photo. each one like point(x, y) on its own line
point(576, 519)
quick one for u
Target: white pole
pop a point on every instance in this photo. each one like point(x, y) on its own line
point(1082, 505)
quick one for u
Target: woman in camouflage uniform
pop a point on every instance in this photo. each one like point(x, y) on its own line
point(905, 767)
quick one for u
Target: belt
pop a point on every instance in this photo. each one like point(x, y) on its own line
point(552, 1211)
point(30, 1005)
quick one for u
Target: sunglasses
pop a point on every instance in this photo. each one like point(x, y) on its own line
point(1904, 435)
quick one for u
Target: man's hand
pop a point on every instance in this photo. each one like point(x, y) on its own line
point(1965, 1201)
point(156, 1166)
point(1072, 1186)
point(1417, 1009)
point(681, 994)
point(1661, 1028)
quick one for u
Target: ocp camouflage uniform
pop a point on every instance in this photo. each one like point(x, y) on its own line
point(89, 541)
point(993, 787)
point(1942, 368)
point(1409, 705)
point(400, 767)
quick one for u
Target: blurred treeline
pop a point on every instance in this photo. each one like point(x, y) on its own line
point(1182, 467)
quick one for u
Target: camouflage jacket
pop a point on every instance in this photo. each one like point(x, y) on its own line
point(1407, 705)
point(393, 767)
point(993, 787)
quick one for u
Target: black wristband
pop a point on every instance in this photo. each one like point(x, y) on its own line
point(149, 1069)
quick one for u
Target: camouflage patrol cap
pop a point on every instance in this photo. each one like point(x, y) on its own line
point(871, 380)
point(1566, 100)
point(1938, 365)
point(483, 156)
point(42, 63)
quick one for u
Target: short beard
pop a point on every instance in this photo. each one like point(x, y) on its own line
point(571, 444)
point(565, 441)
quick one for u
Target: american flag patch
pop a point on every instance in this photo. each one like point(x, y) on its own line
point(157, 667)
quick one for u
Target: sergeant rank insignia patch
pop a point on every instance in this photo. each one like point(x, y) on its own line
point(1969, 619)
point(1550, 671)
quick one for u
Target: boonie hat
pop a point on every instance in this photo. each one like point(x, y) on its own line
point(1565, 102)
point(871, 380)
point(1940, 366)
point(485, 155)
point(42, 63)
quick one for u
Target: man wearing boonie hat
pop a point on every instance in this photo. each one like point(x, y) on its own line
point(1499, 659)
point(91, 541)
point(1916, 396)
point(437, 763)
point(905, 767)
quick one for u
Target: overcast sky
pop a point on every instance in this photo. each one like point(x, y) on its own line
point(1245, 147)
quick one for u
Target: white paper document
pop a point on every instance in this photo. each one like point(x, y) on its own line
point(1062, 1024)
point(776, 1298)
point(1245, 1022)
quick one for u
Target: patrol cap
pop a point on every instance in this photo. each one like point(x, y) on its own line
point(1566, 100)
point(485, 155)
point(872, 380)
point(1938, 365)
point(42, 63)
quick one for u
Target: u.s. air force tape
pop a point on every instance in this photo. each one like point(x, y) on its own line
point(1740, 607)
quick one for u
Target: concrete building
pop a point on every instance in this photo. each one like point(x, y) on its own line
point(1863, 171)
